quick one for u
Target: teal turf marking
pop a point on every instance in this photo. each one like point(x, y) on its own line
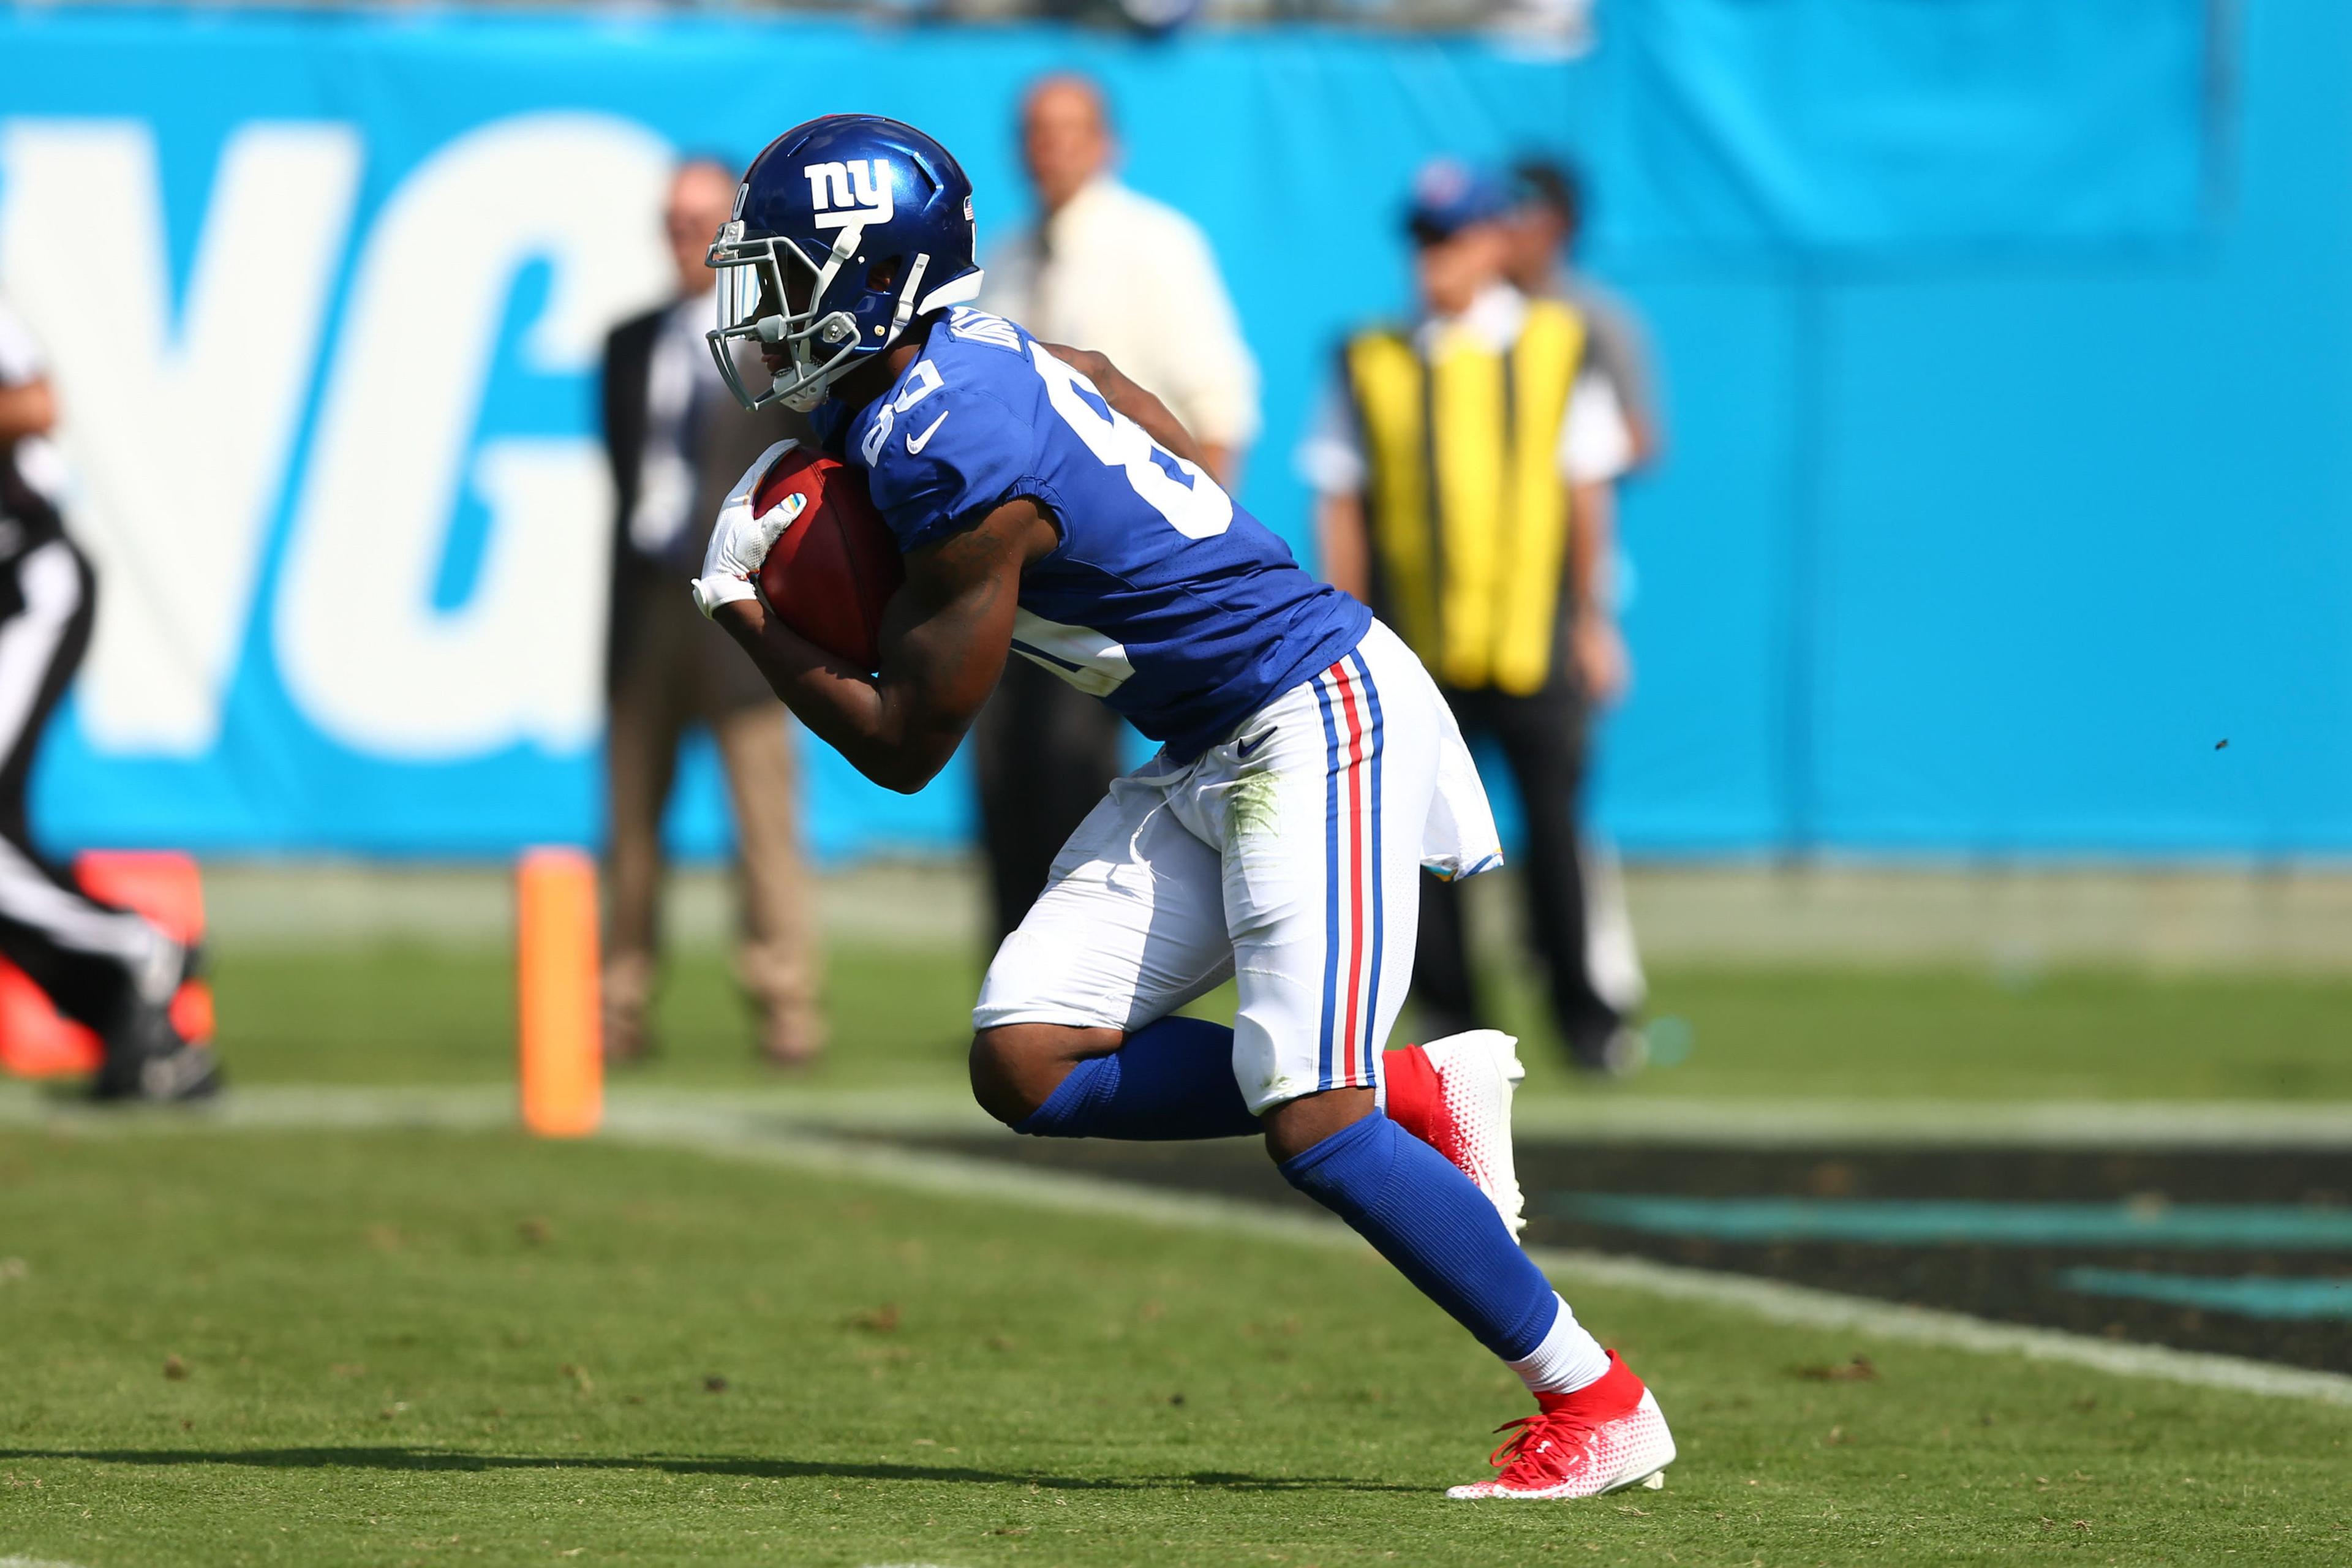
point(1904, 1222)
point(2250, 1296)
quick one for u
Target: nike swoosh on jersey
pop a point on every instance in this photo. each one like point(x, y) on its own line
point(915, 443)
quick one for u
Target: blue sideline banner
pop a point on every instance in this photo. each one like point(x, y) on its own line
point(326, 295)
point(1963, 393)
point(1891, 128)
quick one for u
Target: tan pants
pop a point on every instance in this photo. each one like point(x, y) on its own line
point(666, 686)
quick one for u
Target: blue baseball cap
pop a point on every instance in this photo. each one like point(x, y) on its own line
point(1449, 196)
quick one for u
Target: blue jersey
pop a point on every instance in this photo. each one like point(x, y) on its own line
point(1163, 598)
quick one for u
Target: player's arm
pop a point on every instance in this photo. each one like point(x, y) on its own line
point(1134, 402)
point(945, 639)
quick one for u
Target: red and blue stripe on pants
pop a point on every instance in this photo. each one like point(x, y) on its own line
point(1353, 913)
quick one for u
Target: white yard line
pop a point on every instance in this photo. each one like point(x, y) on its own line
point(1799, 1305)
point(761, 1136)
point(267, 1110)
point(1600, 1117)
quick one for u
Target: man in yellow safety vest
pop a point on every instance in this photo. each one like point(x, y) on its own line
point(1464, 464)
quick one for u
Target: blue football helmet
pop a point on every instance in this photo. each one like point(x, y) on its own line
point(845, 230)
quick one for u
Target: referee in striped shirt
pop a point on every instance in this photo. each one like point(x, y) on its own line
point(105, 968)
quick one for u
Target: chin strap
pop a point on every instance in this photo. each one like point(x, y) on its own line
point(955, 291)
point(905, 311)
point(809, 394)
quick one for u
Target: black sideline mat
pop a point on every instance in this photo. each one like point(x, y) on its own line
point(2248, 1253)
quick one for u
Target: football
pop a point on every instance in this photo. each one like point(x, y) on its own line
point(829, 573)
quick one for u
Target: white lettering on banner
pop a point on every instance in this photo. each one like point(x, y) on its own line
point(360, 644)
point(179, 430)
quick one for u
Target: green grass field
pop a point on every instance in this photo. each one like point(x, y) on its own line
point(395, 1347)
point(406, 1014)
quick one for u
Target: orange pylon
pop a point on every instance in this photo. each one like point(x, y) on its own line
point(558, 1031)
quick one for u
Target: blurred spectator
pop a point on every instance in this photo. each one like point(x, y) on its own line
point(1464, 464)
point(1108, 269)
point(1545, 230)
point(677, 442)
point(106, 968)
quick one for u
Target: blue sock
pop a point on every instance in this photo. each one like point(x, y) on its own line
point(1427, 1218)
point(1172, 1079)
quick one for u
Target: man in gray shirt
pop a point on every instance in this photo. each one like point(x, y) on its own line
point(1545, 229)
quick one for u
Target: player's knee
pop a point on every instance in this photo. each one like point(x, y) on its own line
point(1017, 1068)
point(996, 1081)
point(1298, 1125)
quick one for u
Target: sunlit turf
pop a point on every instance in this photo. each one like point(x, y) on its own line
point(436, 1016)
point(406, 1347)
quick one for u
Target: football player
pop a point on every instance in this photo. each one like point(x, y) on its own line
point(1049, 508)
point(107, 968)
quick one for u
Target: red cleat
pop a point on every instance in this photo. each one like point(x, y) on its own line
point(1600, 1438)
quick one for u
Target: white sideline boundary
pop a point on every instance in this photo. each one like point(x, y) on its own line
point(763, 1138)
point(1796, 1305)
point(1593, 1118)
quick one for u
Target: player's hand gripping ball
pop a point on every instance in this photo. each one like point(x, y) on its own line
point(802, 527)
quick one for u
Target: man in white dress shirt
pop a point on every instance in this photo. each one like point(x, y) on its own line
point(1111, 270)
point(1133, 279)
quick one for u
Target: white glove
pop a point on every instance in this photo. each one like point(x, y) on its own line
point(741, 542)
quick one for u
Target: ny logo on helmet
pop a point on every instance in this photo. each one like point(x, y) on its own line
point(857, 191)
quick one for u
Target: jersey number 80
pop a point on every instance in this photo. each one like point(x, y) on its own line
point(1195, 505)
